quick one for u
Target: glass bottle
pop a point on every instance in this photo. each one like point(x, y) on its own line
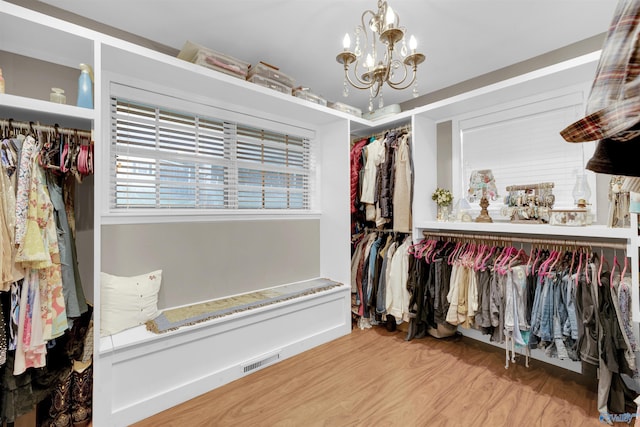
point(581, 190)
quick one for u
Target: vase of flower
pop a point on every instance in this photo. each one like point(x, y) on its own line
point(443, 213)
point(443, 199)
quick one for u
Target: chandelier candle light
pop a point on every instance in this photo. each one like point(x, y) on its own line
point(383, 27)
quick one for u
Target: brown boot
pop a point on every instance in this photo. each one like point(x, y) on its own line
point(82, 393)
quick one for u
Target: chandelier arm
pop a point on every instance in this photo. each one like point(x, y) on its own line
point(356, 85)
point(364, 27)
point(366, 84)
point(398, 64)
point(397, 86)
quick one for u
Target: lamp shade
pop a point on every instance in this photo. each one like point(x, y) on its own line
point(482, 182)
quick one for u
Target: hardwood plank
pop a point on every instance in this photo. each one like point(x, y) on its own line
point(374, 377)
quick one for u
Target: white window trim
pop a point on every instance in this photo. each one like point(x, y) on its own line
point(202, 107)
point(570, 96)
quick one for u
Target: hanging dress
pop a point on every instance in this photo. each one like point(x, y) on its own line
point(375, 154)
point(42, 310)
point(402, 187)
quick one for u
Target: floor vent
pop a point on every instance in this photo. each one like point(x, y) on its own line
point(260, 363)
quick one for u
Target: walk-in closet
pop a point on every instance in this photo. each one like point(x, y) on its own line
point(181, 242)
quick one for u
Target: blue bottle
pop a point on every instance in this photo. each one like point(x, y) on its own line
point(85, 87)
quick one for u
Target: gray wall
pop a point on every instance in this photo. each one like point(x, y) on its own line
point(444, 148)
point(202, 261)
point(33, 78)
point(56, 12)
point(574, 50)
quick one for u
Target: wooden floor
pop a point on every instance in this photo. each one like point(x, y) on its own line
point(374, 377)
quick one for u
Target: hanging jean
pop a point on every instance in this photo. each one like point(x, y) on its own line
point(536, 311)
point(75, 302)
point(370, 290)
point(441, 272)
point(560, 315)
point(586, 300)
point(546, 310)
point(570, 328)
point(498, 284)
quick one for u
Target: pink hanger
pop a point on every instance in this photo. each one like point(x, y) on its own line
point(520, 255)
point(573, 258)
point(503, 262)
point(579, 269)
point(529, 268)
point(535, 261)
point(600, 267)
point(476, 262)
point(492, 251)
point(624, 269)
point(547, 263)
point(613, 269)
point(434, 253)
point(424, 246)
point(453, 254)
point(586, 267)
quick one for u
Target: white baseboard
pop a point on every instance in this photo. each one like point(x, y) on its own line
point(138, 381)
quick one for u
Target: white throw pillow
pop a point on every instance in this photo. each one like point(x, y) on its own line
point(128, 301)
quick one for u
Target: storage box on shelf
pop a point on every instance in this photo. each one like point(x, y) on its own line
point(193, 52)
point(345, 108)
point(386, 111)
point(272, 73)
point(305, 93)
point(271, 84)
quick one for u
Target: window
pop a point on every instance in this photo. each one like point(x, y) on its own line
point(163, 159)
point(522, 145)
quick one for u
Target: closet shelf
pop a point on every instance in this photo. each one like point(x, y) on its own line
point(36, 109)
point(592, 231)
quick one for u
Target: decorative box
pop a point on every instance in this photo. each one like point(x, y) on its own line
point(570, 217)
point(531, 203)
point(304, 93)
point(387, 110)
point(271, 84)
point(272, 73)
point(345, 108)
point(193, 52)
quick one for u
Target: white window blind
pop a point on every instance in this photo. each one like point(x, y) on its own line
point(525, 147)
point(166, 159)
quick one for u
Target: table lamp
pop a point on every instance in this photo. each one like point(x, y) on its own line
point(482, 185)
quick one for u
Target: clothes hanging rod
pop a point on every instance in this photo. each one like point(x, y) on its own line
point(32, 126)
point(384, 230)
point(379, 135)
point(509, 239)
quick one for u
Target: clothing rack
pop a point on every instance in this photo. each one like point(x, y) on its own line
point(33, 127)
point(381, 134)
point(385, 230)
point(509, 239)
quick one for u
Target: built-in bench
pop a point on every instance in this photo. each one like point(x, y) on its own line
point(148, 372)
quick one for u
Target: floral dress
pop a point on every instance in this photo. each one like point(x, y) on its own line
point(24, 186)
point(9, 272)
point(42, 308)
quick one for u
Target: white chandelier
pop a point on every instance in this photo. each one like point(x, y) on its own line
point(380, 65)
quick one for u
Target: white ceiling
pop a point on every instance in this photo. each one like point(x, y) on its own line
point(462, 39)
